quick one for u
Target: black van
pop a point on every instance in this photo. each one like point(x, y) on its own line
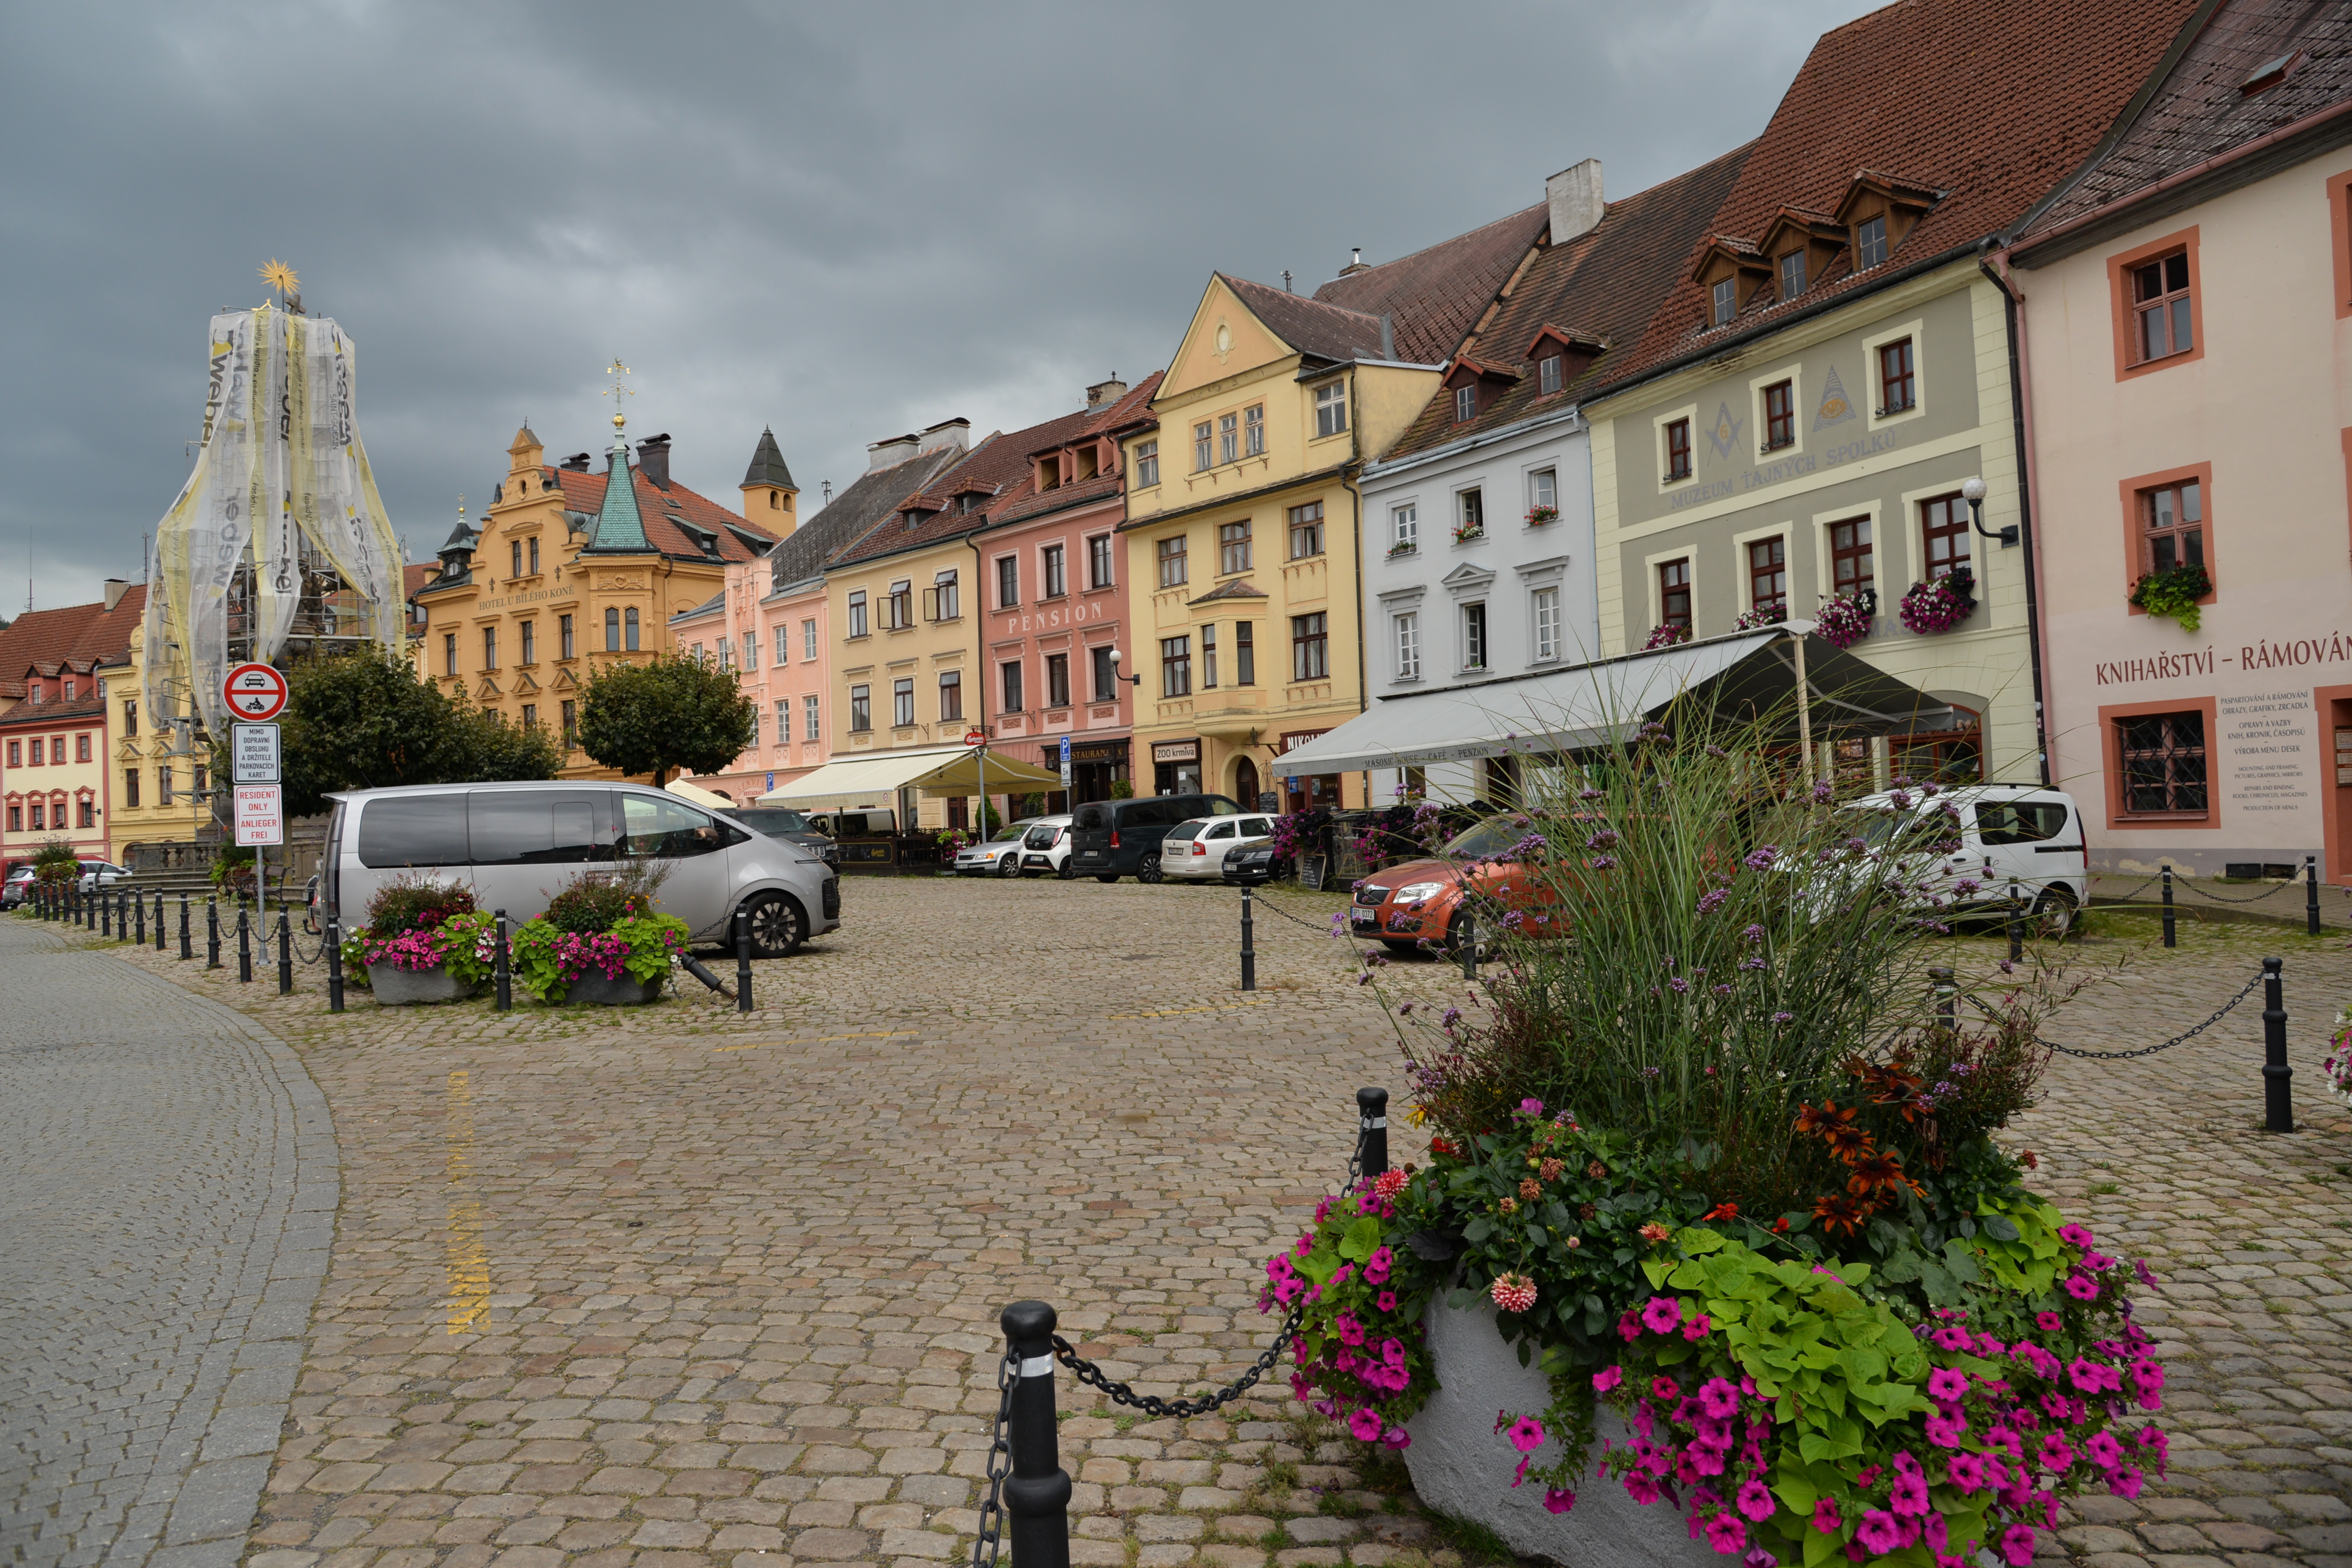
point(1115, 838)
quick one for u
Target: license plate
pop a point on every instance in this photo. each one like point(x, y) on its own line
point(1363, 917)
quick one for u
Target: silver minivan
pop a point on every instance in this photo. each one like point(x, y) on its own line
point(519, 845)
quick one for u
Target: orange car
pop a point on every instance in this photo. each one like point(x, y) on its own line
point(1421, 900)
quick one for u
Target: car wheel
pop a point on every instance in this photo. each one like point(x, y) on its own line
point(1147, 869)
point(1065, 872)
point(1008, 865)
point(2053, 913)
point(1112, 877)
point(778, 924)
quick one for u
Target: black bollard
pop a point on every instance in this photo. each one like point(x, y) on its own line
point(140, 906)
point(1249, 949)
point(212, 930)
point(742, 961)
point(1947, 1005)
point(161, 926)
point(1467, 943)
point(2016, 927)
point(105, 915)
point(2311, 894)
point(1373, 1131)
point(285, 955)
point(1038, 1492)
point(244, 943)
point(187, 949)
point(2170, 938)
point(504, 1001)
point(2278, 1077)
point(334, 967)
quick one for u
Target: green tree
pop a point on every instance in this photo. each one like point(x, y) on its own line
point(365, 720)
point(665, 715)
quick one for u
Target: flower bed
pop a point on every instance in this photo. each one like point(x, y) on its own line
point(428, 936)
point(1736, 1207)
point(602, 926)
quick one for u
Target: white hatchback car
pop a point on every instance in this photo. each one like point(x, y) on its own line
point(2010, 836)
point(997, 857)
point(1046, 851)
point(1195, 850)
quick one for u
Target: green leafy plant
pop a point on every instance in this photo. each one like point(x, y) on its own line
point(1122, 789)
point(414, 901)
point(56, 862)
point(666, 714)
point(2174, 592)
point(368, 721)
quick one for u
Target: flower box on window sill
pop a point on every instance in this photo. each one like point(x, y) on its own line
point(1408, 548)
point(1539, 515)
point(2174, 592)
point(1666, 636)
point(1940, 605)
point(1843, 621)
point(1468, 535)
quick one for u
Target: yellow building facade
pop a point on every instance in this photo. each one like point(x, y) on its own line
point(1242, 537)
point(570, 572)
point(161, 768)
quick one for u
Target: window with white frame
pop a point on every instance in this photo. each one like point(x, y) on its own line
point(784, 650)
point(808, 714)
point(1405, 527)
point(1474, 635)
point(1253, 431)
point(808, 643)
point(1543, 490)
point(1146, 464)
point(1331, 409)
point(1008, 582)
point(783, 721)
point(1098, 562)
point(1408, 645)
point(902, 701)
point(1057, 575)
point(1546, 609)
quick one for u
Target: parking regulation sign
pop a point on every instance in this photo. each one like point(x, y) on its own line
point(1065, 761)
point(261, 815)
point(253, 752)
point(256, 692)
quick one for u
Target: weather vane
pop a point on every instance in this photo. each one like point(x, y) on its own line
point(618, 391)
point(281, 276)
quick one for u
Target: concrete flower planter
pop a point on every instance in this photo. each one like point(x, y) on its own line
point(397, 987)
point(1461, 1465)
point(593, 989)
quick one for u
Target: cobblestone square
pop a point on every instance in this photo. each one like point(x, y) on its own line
point(679, 1286)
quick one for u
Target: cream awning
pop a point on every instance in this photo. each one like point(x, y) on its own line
point(685, 789)
point(873, 783)
point(1594, 704)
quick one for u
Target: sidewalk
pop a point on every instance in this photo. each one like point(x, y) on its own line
point(2206, 899)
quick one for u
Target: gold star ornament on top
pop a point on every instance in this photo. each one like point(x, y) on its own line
point(281, 276)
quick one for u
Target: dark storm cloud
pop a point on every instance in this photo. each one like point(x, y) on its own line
point(841, 221)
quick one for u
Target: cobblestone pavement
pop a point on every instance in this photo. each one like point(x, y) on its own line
point(164, 1228)
point(670, 1288)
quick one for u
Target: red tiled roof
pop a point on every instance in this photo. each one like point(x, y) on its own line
point(85, 707)
point(2202, 110)
point(83, 635)
point(1993, 101)
point(413, 577)
point(585, 492)
point(1434, 297)
point(1311, 326)
point(1004, 468)
point(1608, 280)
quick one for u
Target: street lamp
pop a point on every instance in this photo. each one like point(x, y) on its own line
point(1972, 491)
point(1132, 680)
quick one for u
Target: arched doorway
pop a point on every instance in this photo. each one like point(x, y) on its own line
point(1246, 784)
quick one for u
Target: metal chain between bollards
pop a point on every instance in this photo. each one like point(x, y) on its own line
point(1000, 1465)
point(2183, 1038)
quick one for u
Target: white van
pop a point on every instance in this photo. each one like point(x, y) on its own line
point(519, 845)
point(2011, 835)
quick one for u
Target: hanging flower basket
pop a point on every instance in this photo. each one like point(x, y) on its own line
point(1843, 622)
point(1940, 605)
point(1667, 635)
point(1761, 616)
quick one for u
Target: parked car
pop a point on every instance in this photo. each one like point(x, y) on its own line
point(782, 822)
point(18, 889)
point(517, 846)
point(1195, 851)
point(997, 857)
point(1252, 864)
point(1421, 900)
point(96, 874)
point(1117, 838)
point(2008, 834)
point(1045, 851)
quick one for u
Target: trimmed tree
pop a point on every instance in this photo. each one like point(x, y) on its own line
point(365, 720)
point(670, 713)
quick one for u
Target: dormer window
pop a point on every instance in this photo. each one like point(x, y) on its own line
point(1724, 301)
point(1465, 402)
point(1870, 243)
point(1049, 473)
point(1793, 273)
point(69, 690)
point(1547, 378)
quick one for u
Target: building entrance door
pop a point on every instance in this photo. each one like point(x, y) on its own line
point(1246, 784)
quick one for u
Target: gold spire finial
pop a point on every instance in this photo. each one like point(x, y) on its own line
point(618, 391)
point(461, 509)
point(281, 276)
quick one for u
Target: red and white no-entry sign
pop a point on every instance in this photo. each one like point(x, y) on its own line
point(256, 692)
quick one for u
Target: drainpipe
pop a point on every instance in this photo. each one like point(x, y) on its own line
point(2020, 391)
point(1356, 499)
point(979, 670)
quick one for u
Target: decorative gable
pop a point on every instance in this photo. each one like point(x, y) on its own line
point(1466, 579)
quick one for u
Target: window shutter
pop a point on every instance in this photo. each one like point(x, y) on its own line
point(930, 604)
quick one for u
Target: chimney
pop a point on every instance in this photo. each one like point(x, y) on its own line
point(955, 433)
point(115, 588)
point(653, 458)
point(1356, 266)
point(1388, 336)
point(1575, 197)
point(1103, 394)
point(577, 463)
point(890, 453)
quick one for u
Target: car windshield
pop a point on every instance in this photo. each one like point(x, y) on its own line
point(1012, 832)
point(771, 820)
point(1493, 836)
point(1880, 826)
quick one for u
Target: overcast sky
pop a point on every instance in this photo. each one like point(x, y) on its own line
point(845, 221)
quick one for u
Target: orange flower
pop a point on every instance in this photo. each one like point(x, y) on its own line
point(1839, 1213)
point(1722, 1211)
point(1872, 1171)
point(1849, 1143)
point(1822, 1120)
point(1653, 1232)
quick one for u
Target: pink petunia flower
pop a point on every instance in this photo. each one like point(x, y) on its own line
point(1607, 1378)
point(1726, 1534)
point(1697, 1328)
point(2126, 1482)
point(2082, 1286)
point(1879, 1532)
point(1366, 1424)
point(1526, 1434)
point(2049, 1323)
point(1826, 1518)
point(1386, 1301)
point(1720, 1400)
point(1377, 1267)
point(1662, 1314)
point(1910, 1496)
point(1756, 1500)
point(2074, 1236)
point(1642, 1488)
point(1558, 1500)
point(1947, 1383)
point(2017, 1546)
point(1966, 1471)
point(2055, 1455)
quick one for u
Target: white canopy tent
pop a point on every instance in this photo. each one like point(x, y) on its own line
point(873, 783)
point(1594, 704)
point(685, 789)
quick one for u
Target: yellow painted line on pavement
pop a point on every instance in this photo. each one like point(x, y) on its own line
point(821, 1039)
point(468, 1260)
point(1171, 1011)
